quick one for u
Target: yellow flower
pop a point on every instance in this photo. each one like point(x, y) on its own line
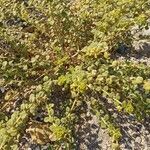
point(146, 85)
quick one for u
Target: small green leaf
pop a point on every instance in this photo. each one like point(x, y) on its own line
point(32, 98)
point(138, 80)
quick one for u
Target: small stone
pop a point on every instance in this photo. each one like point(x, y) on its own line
point(122, 146)
point(147, 132)
point(138, 140)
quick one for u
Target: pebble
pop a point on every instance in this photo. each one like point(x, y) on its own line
point(138, 140)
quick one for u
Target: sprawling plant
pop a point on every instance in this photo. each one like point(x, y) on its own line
point(55, 57)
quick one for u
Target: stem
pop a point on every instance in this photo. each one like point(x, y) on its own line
point(104, 121)
point(72, 107)
point(112, 98)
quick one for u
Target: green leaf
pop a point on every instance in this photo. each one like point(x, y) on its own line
point(32, 98)
point(138, 80)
